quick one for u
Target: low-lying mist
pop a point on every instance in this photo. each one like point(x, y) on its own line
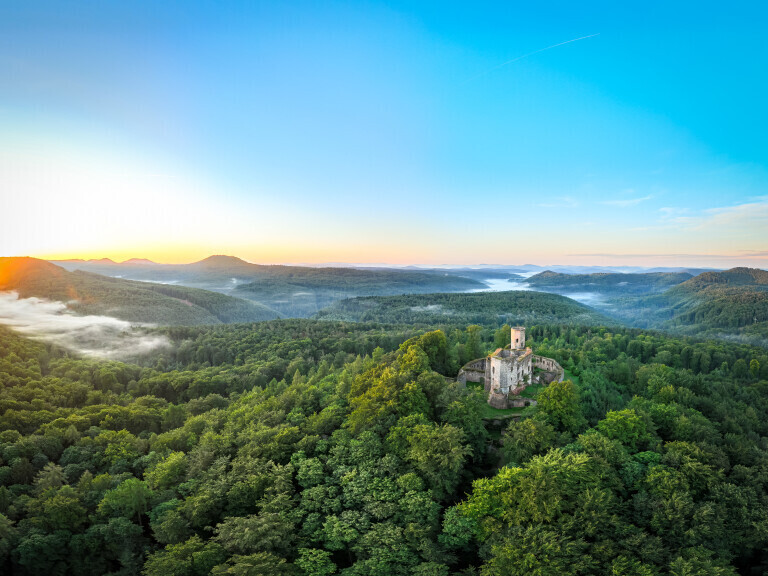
point(96, 336)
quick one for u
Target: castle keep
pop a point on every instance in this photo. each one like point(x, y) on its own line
point(508, 371)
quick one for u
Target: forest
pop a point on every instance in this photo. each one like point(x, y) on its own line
point(318, 447)
point(719, 304)
point(487, 308)
point(608, 283)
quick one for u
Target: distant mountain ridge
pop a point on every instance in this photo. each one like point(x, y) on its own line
point(294, 291)
point(141, 302)
point(733, 277)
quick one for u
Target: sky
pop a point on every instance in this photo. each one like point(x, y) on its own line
point(604, 133)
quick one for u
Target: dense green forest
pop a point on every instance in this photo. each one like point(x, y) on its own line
point(304, 294)
point(731, 304)
point(487, 308)
point(728, 304)
point(88, 293)
point(607, 283)
point(317, 448)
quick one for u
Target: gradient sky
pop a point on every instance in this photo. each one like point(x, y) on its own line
point(386, 132)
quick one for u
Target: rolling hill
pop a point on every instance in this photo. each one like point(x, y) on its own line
point(141, 302)
point(607, 283)
point(486, 308)
point(294, 291)
point(732, 302)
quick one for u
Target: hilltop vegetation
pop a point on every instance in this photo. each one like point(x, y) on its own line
point(88, 293)
point(728, 304)
point(607, 283)
point(486, 308)
point(308, 291)
point(303, 447)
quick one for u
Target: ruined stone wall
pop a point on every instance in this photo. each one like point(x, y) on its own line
point(474, 371)
point(500, 374)
point(507, 373)
point(523, 375)
point(510, 375)
point(549, 365)
point(497, 400)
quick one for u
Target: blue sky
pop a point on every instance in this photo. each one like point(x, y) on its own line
point(386, 132)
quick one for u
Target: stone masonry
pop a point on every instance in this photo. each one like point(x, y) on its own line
point(508, 371)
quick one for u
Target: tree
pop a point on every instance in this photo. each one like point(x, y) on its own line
point(435, 346)
point(167, 473)
point(472, 347)
point(52, 476)
point(265, 532)
point(740, 369)
point(527, 438)
point(626, 426)
point(63, 510)
point(314, 562)
point(261, 564)
point(502, 336)
point(193, 557)
point(129, 499)
point(439, 453)
point(560, 404)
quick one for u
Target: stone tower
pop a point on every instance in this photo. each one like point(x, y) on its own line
point(518, 338)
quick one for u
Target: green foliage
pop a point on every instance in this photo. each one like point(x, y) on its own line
point(313, 289)
point(491, 309)
point(626, 427)
point(527, 438)
point(559, 402)
point(314, 562)
point(306, 447)
point(608, 283)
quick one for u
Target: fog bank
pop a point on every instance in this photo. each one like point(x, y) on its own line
point(96, 336)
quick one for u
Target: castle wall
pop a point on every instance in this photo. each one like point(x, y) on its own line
point(510, 374)
point(474, 371)
point(551, 366)
point(508, 371)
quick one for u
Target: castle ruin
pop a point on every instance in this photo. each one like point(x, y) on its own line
point(508, 371)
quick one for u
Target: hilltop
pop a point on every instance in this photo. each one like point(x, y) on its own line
point(732, 302)
point(727, 304)
point(607, 282)
point(89, 293)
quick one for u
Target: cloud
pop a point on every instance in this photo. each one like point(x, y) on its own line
point(610, 255)
point(741, 255)
point(743, 216)
point(626, 202)
point(97, 336)
point(748, 214)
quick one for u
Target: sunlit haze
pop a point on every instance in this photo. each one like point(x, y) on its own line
point(388, 133)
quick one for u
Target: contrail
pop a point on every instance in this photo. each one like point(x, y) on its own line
point(508, 62)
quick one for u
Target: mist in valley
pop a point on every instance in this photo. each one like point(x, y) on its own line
point(95, 336)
